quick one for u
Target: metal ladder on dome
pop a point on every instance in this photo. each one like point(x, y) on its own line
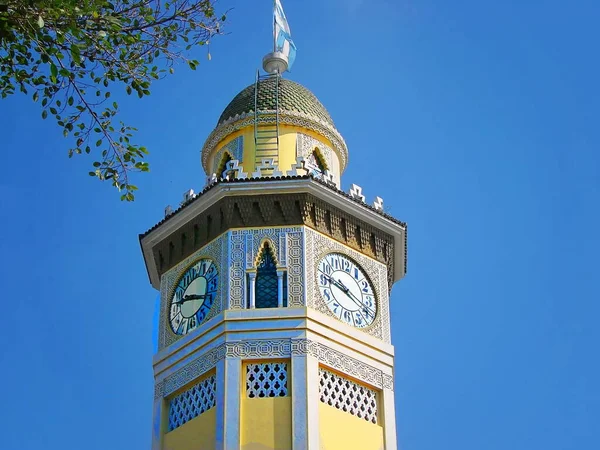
point(266, 134)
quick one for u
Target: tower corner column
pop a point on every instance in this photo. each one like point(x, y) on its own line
point(158, 423)
point(228, 404)
point(389, 419)
point(305, 402)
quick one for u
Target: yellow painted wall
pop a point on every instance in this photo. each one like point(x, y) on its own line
point(339, 430)
point(198, 434)
point(266, 423)
point(287, 148)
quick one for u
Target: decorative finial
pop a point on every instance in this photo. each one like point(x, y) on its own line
point(356, 193)
point(275, 62)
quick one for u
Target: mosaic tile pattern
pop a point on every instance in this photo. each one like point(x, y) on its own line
point(235, 148)
point(244, 248)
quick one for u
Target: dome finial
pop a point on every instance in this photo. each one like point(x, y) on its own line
point(275, 62)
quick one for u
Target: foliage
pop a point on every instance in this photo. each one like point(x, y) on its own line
point(70, 54)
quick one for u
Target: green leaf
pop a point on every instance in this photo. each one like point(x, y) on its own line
point(44, 114)
point(40, 22)
point(98, 142)
point(76, 54)
point(53, 70)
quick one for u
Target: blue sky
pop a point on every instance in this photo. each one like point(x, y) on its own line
point(477, 122)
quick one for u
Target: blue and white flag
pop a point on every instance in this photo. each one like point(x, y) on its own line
point(282, 34)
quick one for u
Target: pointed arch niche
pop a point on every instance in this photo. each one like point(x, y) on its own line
point(316, 162)
point(223, 163)
point(267, 282)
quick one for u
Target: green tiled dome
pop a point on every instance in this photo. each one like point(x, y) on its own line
point(292, 97)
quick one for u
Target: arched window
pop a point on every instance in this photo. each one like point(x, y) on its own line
point(266, 279)
point(315, 163)
point(264, 285)
point(224, 160)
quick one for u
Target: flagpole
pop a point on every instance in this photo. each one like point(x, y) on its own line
point(274, 37)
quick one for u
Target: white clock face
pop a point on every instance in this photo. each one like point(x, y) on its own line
point(194, 295)
point(347, 290)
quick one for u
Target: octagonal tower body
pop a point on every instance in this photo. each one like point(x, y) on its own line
point(270, 361)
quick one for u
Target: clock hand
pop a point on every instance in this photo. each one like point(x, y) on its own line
point(341, 286)
point(189, 297)
point(352, 297)
point(337, 284)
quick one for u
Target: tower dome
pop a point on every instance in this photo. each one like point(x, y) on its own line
point(293, 97)
point(276, 120)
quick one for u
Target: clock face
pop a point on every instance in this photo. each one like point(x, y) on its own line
point(346, 290)
point(193, 297)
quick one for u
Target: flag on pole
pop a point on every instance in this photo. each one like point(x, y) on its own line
point(282, 36)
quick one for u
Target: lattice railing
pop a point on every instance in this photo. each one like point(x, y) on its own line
point(267, 380)
point(348, 396)
point(193, 402)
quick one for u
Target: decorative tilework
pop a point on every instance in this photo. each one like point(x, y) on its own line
point(305, 147)
point(190, 371)
point(259, 348)
point(351, 366)
point(293, 118)
point(193, 402)
point(270, 349)
point(388, 382)
point(234, 147)
point(305, 347)
point(348, 396)
point(244, 247)
point(317, 245)
point(294, 258)
point(267, 380)
point(213, 250)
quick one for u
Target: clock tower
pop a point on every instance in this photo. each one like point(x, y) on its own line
point(274, 326)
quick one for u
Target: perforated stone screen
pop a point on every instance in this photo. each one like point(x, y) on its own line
point(348, 396)
point(267, 380)
point(193, 402)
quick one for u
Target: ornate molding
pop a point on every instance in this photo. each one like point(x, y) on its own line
point(318, 245)
point(214, 251)
point(189, 372)
point(269, 349)
point(294, 118)
point(388, 382)
point(244, 248)
point(259, 348)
